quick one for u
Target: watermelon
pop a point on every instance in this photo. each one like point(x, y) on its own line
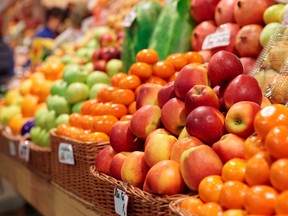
point(143, 19)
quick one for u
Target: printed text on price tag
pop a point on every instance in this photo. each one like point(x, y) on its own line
point(217, 39)
point(23, 150)
point(120, 201)
point(65, 154)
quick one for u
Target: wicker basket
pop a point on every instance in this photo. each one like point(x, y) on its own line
point(176, 210)
point(40, 160)
point(74, 178)
point(140, 202)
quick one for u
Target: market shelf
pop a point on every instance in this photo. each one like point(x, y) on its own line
point(47, 198)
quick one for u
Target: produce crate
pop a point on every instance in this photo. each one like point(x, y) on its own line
point(176, 210)
point(140, 202)
point(40, 160)
point(74, 178)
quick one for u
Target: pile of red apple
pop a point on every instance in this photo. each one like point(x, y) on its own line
point(243, 19)
point(185, 130)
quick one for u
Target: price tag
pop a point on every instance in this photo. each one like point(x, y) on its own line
point(120, 202)
point(129, 19)
point(24, 151)
point(65, 154)
point(12, 148)
point(217, 39)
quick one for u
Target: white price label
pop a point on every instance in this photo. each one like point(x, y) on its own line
point(129, 19)
point(217, 39)
point(12, 148)
point(24, 151)
point(65, 154)
point(120, 202)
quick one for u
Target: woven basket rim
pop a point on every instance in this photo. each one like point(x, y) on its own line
point(36, 147)
point(177, 210)
point(146, 196)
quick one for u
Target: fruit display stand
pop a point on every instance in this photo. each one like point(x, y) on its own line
point(75, 178)
point(139, 202)
point(45, 197)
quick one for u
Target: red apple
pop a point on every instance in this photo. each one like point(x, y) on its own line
point(145, 120)
point(242, 88)
point(203, 10)
point(158, 147)
point(229, 146)
point(99, 65)
point(173, 115)
point(197, 163)
point(233, 29)
point(103, 159)
point(166, 93)
point(224, 12)
point(122, 139)
point(223, 67)
point(200, 32)
point(134, 169)
point(148, 95)
point(108, 39)
point(200, 95)
point(240, 118)
point(96, 55)
point(248, 41)
point(248, 64)
point(116, 164)
point(189, 76)
point(206, 123)
point(156, 131)
point(183, 144)
point(108, 53)
point(164, 178)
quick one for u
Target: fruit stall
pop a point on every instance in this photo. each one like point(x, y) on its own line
point(160, 108)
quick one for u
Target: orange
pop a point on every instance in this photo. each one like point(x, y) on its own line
point(234, 169)
point(130, 82)
point(209, 188)
point(191, 204)
point(75, 120)
point(136, 91)
point(233, 194)
point(116, 78)
point(260, 200)
point(87, 122)
point(257, 169)
point(95, 137)
point(173, 77)
point(148, 56)
point(276, 141)
point(86, 108)
point(140, 69)
point(211, 209)
point(104, 94)
point(44, 90)
point(163, 69)
point(126, 118)
point(156, 80)
point(252, 145)
point(194, 57)
point(118, 110)
point(123, 96)
point(279, 174)
point(29, 105)
point(75, 133)
point(281, 206)
point(132, 108)
point(16, 123)
point(270, 116)
point(62, 129)
point(234, 212)
point(52, 71)
point(178, 60)
point(104, 123)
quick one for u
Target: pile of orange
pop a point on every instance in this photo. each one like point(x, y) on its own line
point(118, 101)
point(256, 185)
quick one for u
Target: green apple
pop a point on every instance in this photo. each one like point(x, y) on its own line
point(85, 53)
point(267, 32)
point(59, 87)
point(40, 136)
point(89, 67)
point(45, 119)
point(97, 77)
point(58, 103)
point(95, 88)
point(92, 44)
point(99, 31)
point(273, 13)
point(63, 118)
point(76, 92)
point(8, 112)
point(75, 73)
point(77, 107)
point(114, 66)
